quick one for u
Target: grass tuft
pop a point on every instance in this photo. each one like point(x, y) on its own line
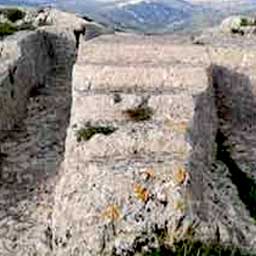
point(139, 114)
point(196, 248)
point(86, 133)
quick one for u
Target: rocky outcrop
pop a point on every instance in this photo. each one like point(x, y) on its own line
point(167, 173)
point(119, 191)
point(35, 99)
point(157, 145)
point(239, 25)
point(235, 31)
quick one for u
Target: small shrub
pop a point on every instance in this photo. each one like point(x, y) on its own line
point(244, 22)
point(247, 22)
point(141, 193)
point(13, 14)
point(237, 31)
point(139, 114)
point(86, 133)
point(7, 29)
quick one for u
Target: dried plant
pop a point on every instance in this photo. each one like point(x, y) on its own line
point(139, 114)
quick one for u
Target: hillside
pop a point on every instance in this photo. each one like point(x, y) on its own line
point(123, 144)
point(150, 16)
point(159, 16)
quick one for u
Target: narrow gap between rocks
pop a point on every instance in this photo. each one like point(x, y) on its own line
point(234, 101)
point(246, 187)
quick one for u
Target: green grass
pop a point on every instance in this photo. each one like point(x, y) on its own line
point(196, 248)
point(13, 14)
point(86, 133)
point(139, 114)
point(244, 22)
point(7, 29)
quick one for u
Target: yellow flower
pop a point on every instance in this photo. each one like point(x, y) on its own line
point(180, 175)
point(112, 212)
point(141, 193)
point(149, 174)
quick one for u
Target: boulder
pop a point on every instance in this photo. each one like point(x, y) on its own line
point(239, 25)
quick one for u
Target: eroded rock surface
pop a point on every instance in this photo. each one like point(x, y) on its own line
point(160, 142)
point(170, 173)
point(35, 101)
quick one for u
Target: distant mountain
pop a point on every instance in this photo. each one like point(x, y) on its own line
point(29, 2)
point(157, 16)
point(150, 16)
point(147, 15)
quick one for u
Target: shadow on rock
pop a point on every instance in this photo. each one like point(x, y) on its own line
point(222, 186)
point(32, 154)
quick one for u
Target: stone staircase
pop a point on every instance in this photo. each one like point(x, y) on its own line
point(122, 189)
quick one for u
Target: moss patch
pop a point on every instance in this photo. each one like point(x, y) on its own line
point(139, 114)
point(86, 133)
point(7, 29)
point(196, 248)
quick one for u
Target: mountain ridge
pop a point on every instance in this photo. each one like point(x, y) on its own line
point(149, 16)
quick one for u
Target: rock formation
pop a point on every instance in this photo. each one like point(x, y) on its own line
point(35, 99)
point(160, 142)
point(239, 25)
point(168, 173)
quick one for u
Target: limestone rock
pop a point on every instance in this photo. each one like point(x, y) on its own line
point(35, 99)
point(118, 191)
point(157, 145)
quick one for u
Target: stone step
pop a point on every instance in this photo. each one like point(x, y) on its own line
point(166, 130)
point(114, 50)
point(139, 78)
point(115, 108)
point(136, 177)
point(128, 192)
point(131, 141)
